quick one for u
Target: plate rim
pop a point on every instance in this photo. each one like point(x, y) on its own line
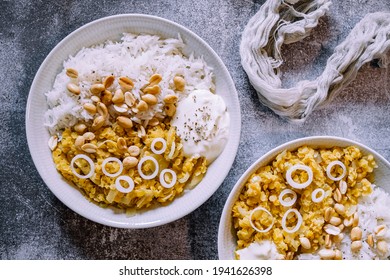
point(233, 95)
point(225, 218)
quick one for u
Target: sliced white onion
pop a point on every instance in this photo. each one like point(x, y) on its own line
point(119, 186)
point(329, 169)
point(184, 178)
point(314, 195)
point(287, 203)
point(260, 208)
point(141, 173)
point(90, 162)
point(153, 146)
point(162, 178)
point(294, 184)
point(172, 151)
point(110, 159)
point(299, 222)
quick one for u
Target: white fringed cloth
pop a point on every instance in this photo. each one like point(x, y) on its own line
point(281, 22)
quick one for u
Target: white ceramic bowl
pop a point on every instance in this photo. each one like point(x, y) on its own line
point(99, 31)
point(227, 240)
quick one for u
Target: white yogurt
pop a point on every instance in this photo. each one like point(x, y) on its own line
point(202, 122)
point(265, 250)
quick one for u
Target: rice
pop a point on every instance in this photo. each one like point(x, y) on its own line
point(135, 56)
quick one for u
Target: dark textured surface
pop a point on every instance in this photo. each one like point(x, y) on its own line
point(36, 225)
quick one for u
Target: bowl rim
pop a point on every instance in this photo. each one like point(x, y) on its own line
point(234, 141)
point(225, 218)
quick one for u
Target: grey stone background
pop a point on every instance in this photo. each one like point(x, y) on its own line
point(34, 224)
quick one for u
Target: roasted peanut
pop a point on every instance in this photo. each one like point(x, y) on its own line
point(336, 221)
point(328, 214)
point(170, 109)
point(126, 83)
point(356, 234)
point(380, 231)
point(106, 97)
point(72, 73)
point(305, 243)
point(179, 83)
point(152, 90)
point(382, 247)
point(356, 245)
point(118, 97)
point(129, 99)
point(121, 143)
point(170, 98)
point(97, 88)
point(337, 196)
point(73, 88)
point(155, 79)
point(79, 142)
point(331, 229)
point(124, 122)
point(80, 128)
point(355, 221)
point(150, 99)
point(343, 187)
point(339, 208)
point(98, 123)
point(102, 109)
point(133, 151)
point(338, 255)
point(370, 240)
point(89, 136)
point(108, 81)
point(129, 162)
point(327, 254)
point(142, 106)
point(89, 148)
point(53, 141)
point(90, 108)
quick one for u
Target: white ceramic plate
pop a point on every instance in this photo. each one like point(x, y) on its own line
point(111, 28)
point(227, 240)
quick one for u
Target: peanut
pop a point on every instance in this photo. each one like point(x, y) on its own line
point(73, 88)
point(72, 73)
point(108, 81)
point(97, 89)
point(179, 83)
point(124, 122)
point(150, 99)
point(126, 83)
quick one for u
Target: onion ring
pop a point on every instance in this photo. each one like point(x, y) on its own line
point(329, 169)
point(299, 222)
point(119, 186)
point(141, 173)
point(294, 184)
point(162, 178)
point(184, 178)
point(314, 197)
point(154, 142)
point(266, 211)
point(109, 159)
point(287, 203)
point(91, 165)
point(172, 151)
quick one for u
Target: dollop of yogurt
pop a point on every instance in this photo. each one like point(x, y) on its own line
point(264, 250)
point(202, 122)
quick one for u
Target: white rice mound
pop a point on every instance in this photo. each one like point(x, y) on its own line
point(135, 56)
point(373, 211)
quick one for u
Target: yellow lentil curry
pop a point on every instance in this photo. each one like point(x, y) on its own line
point(265, 185)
